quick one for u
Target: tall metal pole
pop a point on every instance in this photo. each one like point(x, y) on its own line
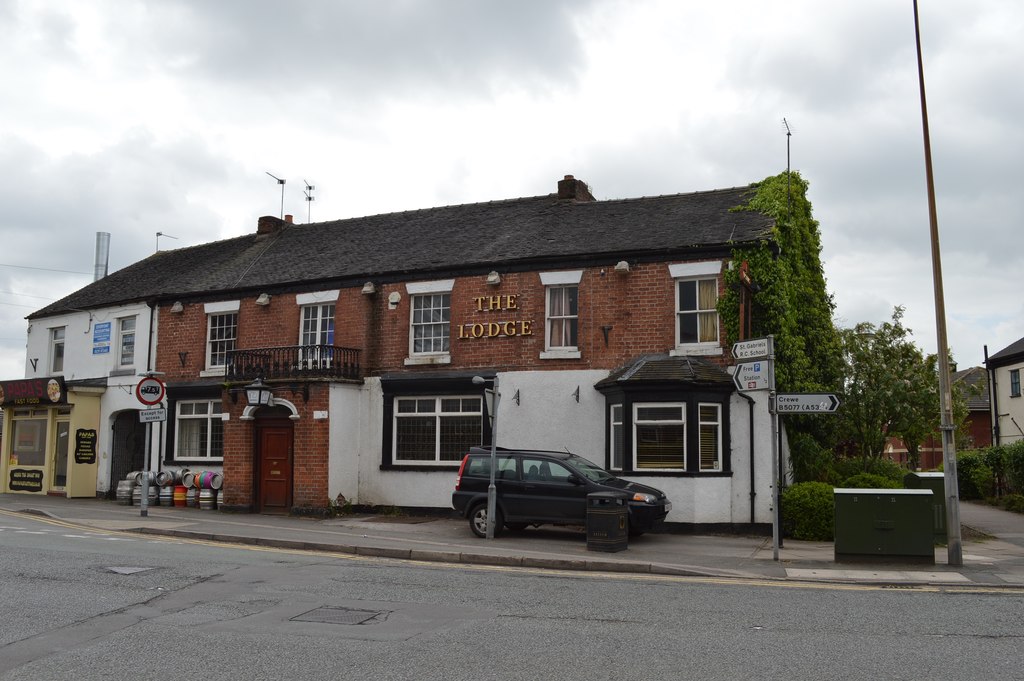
point(776, 495)
point(492, 492)
point(953, 542)
point(144, 497)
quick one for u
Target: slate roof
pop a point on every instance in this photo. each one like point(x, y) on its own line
point(969, 378)
point(521, 232)
point(1008, 355)
point(665, 368)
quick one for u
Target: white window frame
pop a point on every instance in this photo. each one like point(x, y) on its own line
point(636, 439)
point(615, 415)
point(553, 280)
point(718, 436)
point(418, 291)
point(225, 345)
point(438, 415)
point(696, 271)
point(122, 335)
point(323, 316)
point(213, 414)
point(58, 337)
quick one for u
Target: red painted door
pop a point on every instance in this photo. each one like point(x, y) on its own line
point(275, 469)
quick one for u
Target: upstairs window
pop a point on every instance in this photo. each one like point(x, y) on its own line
point(126, 341)
point(57, 350)
point(1014, 382)
point(562, 317)
point(431, 323)
point(696, 313)
point(221, 336)
point(317, 325)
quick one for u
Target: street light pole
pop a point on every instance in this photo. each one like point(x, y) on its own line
point(492, 492)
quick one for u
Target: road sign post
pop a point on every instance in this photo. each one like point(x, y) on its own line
point(150, 391)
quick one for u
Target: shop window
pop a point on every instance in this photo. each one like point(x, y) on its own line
point(436, 429)
point(28, 442)
point(199, 430)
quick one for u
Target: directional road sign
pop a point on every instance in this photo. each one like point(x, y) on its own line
point(752, 376)
point(806, 403)
point(754, 348)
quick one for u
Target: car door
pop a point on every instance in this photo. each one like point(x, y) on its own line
point(547, 494)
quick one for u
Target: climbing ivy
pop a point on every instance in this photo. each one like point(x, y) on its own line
point(792, 304)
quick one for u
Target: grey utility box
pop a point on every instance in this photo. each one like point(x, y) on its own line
point(607, 521)
point(936, 482)
point(891, 525)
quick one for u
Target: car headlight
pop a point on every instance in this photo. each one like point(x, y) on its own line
point(646, 498)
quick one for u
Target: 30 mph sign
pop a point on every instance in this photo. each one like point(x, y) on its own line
point(806, 403)
point(150, 391)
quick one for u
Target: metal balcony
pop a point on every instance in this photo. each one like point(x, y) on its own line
point(293, 361)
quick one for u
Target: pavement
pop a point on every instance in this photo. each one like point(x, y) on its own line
point(992, 544)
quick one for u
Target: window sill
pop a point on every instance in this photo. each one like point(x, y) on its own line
point(421, 360)
point(218, 371)
point(705, 349)
point(122, 372)
point(560, 354)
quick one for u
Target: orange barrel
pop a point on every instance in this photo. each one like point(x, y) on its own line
point(179, 495)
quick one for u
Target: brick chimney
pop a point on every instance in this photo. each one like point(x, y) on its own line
point(577, 190)
point(268, 224)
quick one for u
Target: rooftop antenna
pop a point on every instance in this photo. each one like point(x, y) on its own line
point(789, 194)
point(160, 234)
point(309, 200)
point(280, 182)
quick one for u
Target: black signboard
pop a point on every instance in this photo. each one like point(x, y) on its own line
point(32, 391)
point(85, 446)
point(23, 480)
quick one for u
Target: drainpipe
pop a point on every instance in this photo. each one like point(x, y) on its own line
point(753, 492)
point(993, 399)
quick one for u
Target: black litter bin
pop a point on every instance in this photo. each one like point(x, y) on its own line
point(607, 521)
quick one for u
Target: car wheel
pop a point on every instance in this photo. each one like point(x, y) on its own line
point(478, 520)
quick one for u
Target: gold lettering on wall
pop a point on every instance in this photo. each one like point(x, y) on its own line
point(498, 329)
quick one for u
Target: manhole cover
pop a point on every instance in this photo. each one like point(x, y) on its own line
point(337, 616)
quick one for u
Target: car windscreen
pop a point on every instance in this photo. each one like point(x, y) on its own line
point(590, 470)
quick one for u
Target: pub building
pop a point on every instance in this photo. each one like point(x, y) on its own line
point(349, 361)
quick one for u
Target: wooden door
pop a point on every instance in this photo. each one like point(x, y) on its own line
point(274, 470)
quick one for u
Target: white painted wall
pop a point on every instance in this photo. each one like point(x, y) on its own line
point(546, 417)
point(1011, 409)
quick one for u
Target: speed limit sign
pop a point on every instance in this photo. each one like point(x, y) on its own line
point(150, 391)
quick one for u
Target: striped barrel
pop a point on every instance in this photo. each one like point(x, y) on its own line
point(179, 495)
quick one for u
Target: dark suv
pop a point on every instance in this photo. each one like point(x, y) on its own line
point(539, 487)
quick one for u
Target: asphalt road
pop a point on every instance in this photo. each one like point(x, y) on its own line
point(95, 605)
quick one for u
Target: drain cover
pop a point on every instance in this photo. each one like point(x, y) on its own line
point(128, 570)
point(337, 616)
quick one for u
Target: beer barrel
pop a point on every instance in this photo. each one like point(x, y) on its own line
point(207, 499)
point(124, 492)
point(179, 495)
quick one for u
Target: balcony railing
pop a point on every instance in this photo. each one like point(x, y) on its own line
point(293, 361)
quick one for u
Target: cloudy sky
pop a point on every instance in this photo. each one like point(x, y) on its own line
point(166, 115)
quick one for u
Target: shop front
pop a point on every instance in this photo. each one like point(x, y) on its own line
point(50, 443)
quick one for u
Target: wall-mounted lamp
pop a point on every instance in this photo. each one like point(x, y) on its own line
point(264, 299)
point(177, 308)
point(493, 279)
point(394, 299)
point(369, 288)
point(258, 393)
point(622, 267)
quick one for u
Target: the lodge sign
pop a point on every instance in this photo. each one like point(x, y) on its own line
point(501, 328)
point(31, 391)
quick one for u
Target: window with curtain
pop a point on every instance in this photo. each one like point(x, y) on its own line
point(126, 334)
point(710, 417)
point(563, 317)
point(659, 436)
point(436, 429)
point(199, 430)
point(696, 313)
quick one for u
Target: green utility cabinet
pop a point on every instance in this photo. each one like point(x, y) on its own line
point(892, 525)
point(936, 482)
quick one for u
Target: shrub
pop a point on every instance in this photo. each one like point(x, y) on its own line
point(844, 469)
point(974, 477)
point(808, 460)
point(808, 511)
point(871, 481)
point(1015, 467)
point(1013, 502)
